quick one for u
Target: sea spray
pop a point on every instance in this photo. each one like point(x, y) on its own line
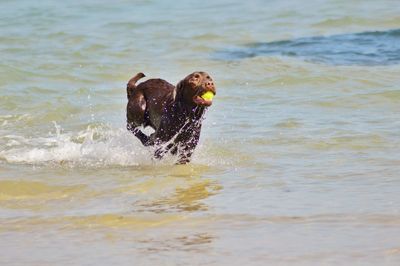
point(99, 145)
point(96, 145)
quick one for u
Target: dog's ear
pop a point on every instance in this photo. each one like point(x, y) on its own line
point(178, 92)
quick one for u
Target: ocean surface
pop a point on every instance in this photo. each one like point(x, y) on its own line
point(299, 157)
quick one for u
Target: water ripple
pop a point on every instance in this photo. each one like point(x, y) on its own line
point(364, 48)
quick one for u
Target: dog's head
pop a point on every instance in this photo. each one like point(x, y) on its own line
point(197, 89)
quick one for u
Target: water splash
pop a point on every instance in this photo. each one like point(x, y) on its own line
point(95, 146)
point(98, 145)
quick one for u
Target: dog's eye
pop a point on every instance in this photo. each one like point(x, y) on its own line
point(208, 77)
point(196, 76)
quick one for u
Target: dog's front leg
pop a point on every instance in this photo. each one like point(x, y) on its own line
point(188, 144)
point(162, 150)
point(144, 139)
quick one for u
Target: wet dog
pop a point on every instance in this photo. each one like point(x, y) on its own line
point(174, 112)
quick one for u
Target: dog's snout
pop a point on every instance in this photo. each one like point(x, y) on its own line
point(209, 84)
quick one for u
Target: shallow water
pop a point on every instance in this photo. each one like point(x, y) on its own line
point(298, 161)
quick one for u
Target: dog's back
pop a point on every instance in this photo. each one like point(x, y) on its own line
point(147, 100)
point(158, 93)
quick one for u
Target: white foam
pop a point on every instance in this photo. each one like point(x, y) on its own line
point(96, 146)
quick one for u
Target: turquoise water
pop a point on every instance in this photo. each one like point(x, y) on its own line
point(298, 162)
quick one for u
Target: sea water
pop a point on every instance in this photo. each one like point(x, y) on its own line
point(298, 161)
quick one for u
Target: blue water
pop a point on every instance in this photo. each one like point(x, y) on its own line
point(365, 48)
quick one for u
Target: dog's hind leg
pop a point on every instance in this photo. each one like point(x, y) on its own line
point(135, 115)
point(136, 110)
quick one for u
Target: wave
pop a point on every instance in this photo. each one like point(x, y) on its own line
point(365, 48)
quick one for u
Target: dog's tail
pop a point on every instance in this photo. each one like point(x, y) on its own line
point(132, 83)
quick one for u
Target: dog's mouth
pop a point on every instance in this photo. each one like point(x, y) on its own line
point(204, 99)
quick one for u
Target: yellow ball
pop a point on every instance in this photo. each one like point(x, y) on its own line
point(208, 96)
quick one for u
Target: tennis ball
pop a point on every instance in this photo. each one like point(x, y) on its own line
point(208, 96)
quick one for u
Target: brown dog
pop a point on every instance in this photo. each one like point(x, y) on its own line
point(175, 113)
